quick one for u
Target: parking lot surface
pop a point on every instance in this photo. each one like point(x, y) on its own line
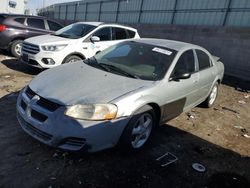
point(218, 138)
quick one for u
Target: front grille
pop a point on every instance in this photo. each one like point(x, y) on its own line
point(49, 105)
point(23, 105)
point(42, 102)
point(37, 115)
point(33, 130)
point(30, 48)
point(30, 93)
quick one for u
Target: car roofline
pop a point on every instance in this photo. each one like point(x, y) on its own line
point(171, 44)
point(117, 24)
point(23, 15)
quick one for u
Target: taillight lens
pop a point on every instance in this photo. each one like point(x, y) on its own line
point(2, 27)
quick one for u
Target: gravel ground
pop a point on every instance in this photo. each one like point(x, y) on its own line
point(215, 137)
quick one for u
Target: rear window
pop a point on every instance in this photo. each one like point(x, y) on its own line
point(131, 34)
point(37, 23)
point(20, 20)
point(54, 26)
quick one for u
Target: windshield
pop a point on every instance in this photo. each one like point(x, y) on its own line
point(75, 31)
point(137, 60)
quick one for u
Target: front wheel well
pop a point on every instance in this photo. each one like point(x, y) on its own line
point(157, 111)
point(75, 54)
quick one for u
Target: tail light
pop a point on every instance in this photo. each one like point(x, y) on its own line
point(2, 27)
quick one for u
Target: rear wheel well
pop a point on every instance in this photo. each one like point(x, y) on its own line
point(14, 39)
point(18, 38)
point(157, 111)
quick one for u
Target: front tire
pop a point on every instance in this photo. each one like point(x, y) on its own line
point(209, 102)
point(139, 129)
point(15, 48)
point(72, 59)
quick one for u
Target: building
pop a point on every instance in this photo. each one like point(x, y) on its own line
point(13, 6)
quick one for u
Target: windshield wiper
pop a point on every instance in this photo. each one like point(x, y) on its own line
point(63, 35)
point(93, 62)
point(117, 69)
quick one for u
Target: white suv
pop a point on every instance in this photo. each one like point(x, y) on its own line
point(74, 42)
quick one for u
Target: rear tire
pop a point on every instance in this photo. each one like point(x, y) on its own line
point(72, 59)
point(209, 102)
point(139, 129)
point(15, 48)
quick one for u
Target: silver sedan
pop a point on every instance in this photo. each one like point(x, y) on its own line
point(118, 96)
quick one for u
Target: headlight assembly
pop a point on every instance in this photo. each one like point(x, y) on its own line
point(92, 111)
point(53, 48)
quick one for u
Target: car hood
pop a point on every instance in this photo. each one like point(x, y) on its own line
point(79, 83)
point(48, 40)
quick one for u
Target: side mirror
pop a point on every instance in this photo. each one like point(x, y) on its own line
point(94, 39)
point(181, 76)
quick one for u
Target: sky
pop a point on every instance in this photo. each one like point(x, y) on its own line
point(36, 4)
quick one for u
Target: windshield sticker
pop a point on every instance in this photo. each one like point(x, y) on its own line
point(163, 51)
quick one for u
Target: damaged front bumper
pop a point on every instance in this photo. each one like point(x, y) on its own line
point(50, 126)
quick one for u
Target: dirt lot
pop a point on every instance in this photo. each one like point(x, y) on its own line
point(216, 138)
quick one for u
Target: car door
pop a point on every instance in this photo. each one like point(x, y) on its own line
point(206, 73)
point(105, 41)
point(181, 94)
point(36, 26)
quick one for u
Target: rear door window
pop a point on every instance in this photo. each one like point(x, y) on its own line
point(119, 33)
point(104, 34)
point(131, 33)
point(36, 23)
point(20, 20)
point(54, 26)
point(204, 60)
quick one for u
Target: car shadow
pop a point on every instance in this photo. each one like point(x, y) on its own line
point(17, 65)
point(5, 53)
point(23, 158)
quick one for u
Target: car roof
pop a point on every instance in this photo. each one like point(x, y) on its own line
point(104, 23)
point(171, 44)
point(23, 15)
point(91, 23)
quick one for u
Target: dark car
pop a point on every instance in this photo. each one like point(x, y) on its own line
point(15, 28)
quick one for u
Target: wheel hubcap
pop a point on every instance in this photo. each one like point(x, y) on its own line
point(73, 60)
point(18, 49)
point(213, 95)
point(141, 130)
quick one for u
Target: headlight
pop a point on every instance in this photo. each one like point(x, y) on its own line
point(53, 48)
point(92, 111)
